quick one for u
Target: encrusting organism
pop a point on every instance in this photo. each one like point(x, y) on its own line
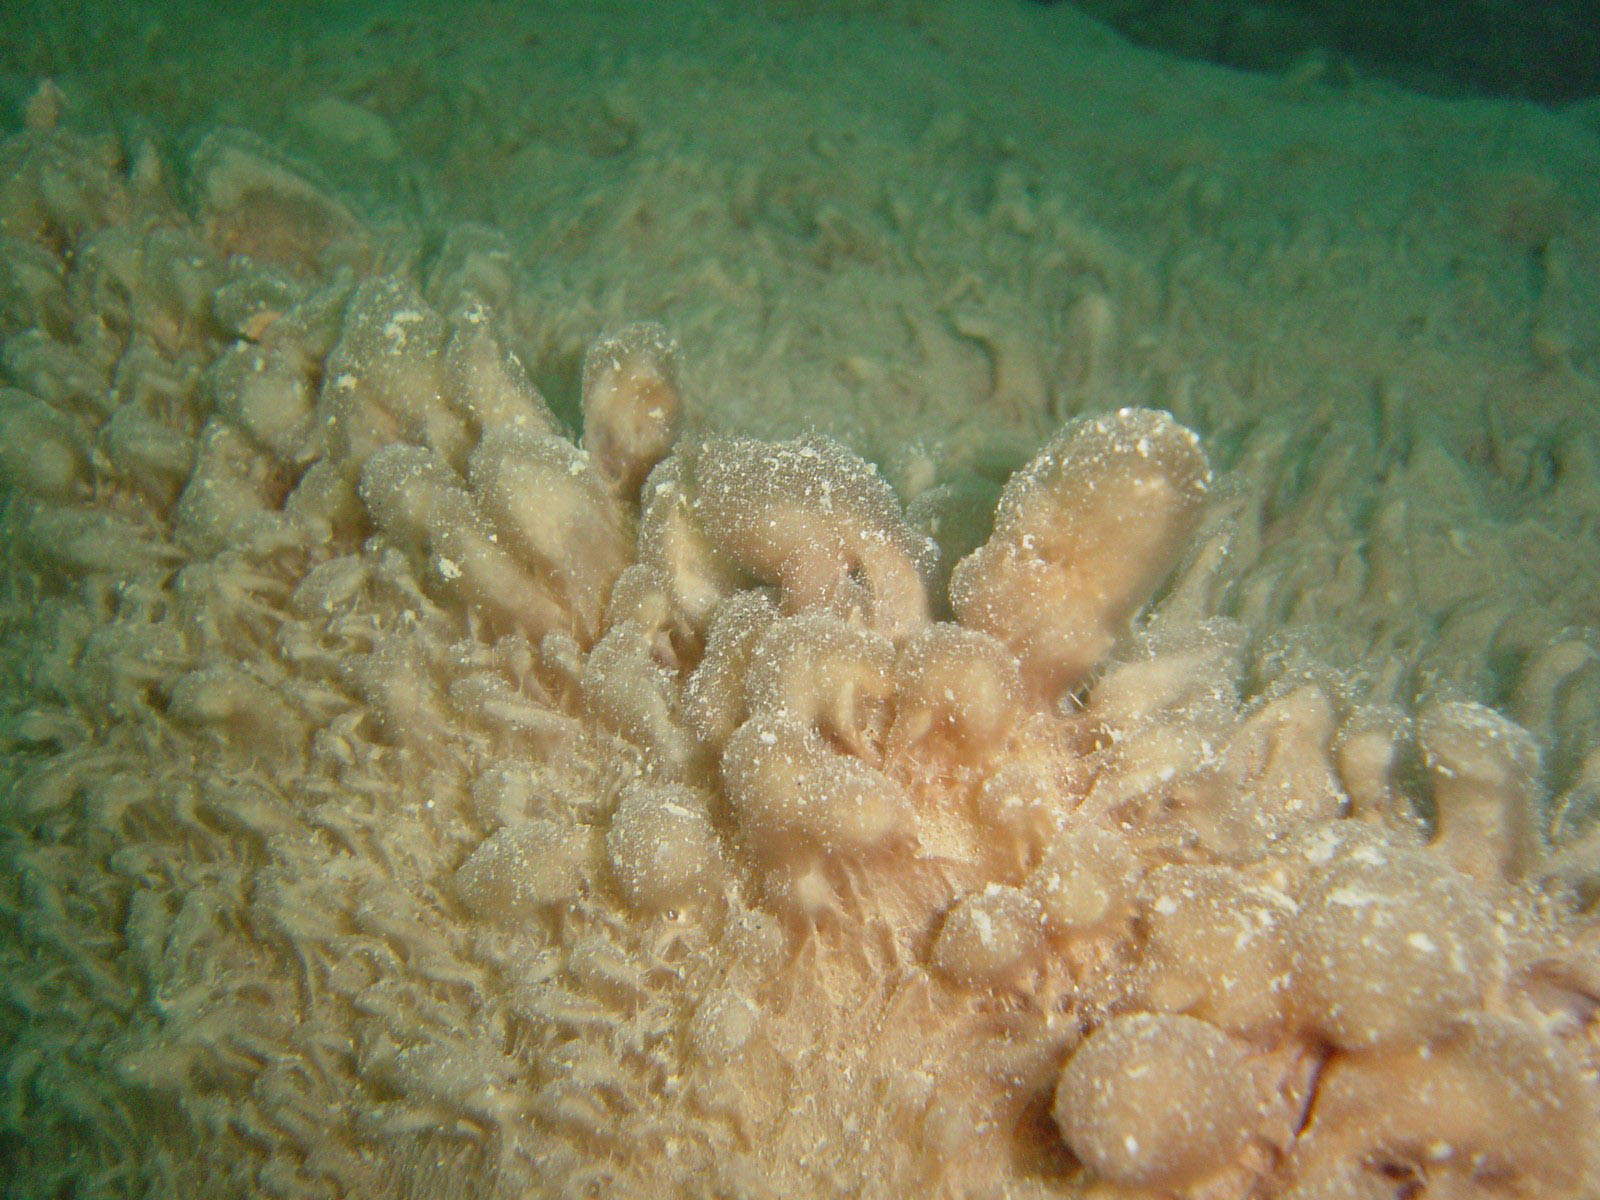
point(406, 798)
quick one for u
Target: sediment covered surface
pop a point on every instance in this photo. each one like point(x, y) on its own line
point(588, 618)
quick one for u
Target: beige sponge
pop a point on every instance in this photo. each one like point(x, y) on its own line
point(1082, 536)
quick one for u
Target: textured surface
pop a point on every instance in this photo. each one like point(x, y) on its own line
point(406, 802)
point(405, 794)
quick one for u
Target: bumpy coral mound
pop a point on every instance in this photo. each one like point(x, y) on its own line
point(405, 799)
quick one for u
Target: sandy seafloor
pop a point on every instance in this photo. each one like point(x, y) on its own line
point(935, 229)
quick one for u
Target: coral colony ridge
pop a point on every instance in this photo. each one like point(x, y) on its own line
point(405, 799)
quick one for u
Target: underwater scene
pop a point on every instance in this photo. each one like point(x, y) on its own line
point(799, 600)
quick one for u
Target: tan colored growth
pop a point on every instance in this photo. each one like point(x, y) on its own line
point(403, 800)
point(1082, 535)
